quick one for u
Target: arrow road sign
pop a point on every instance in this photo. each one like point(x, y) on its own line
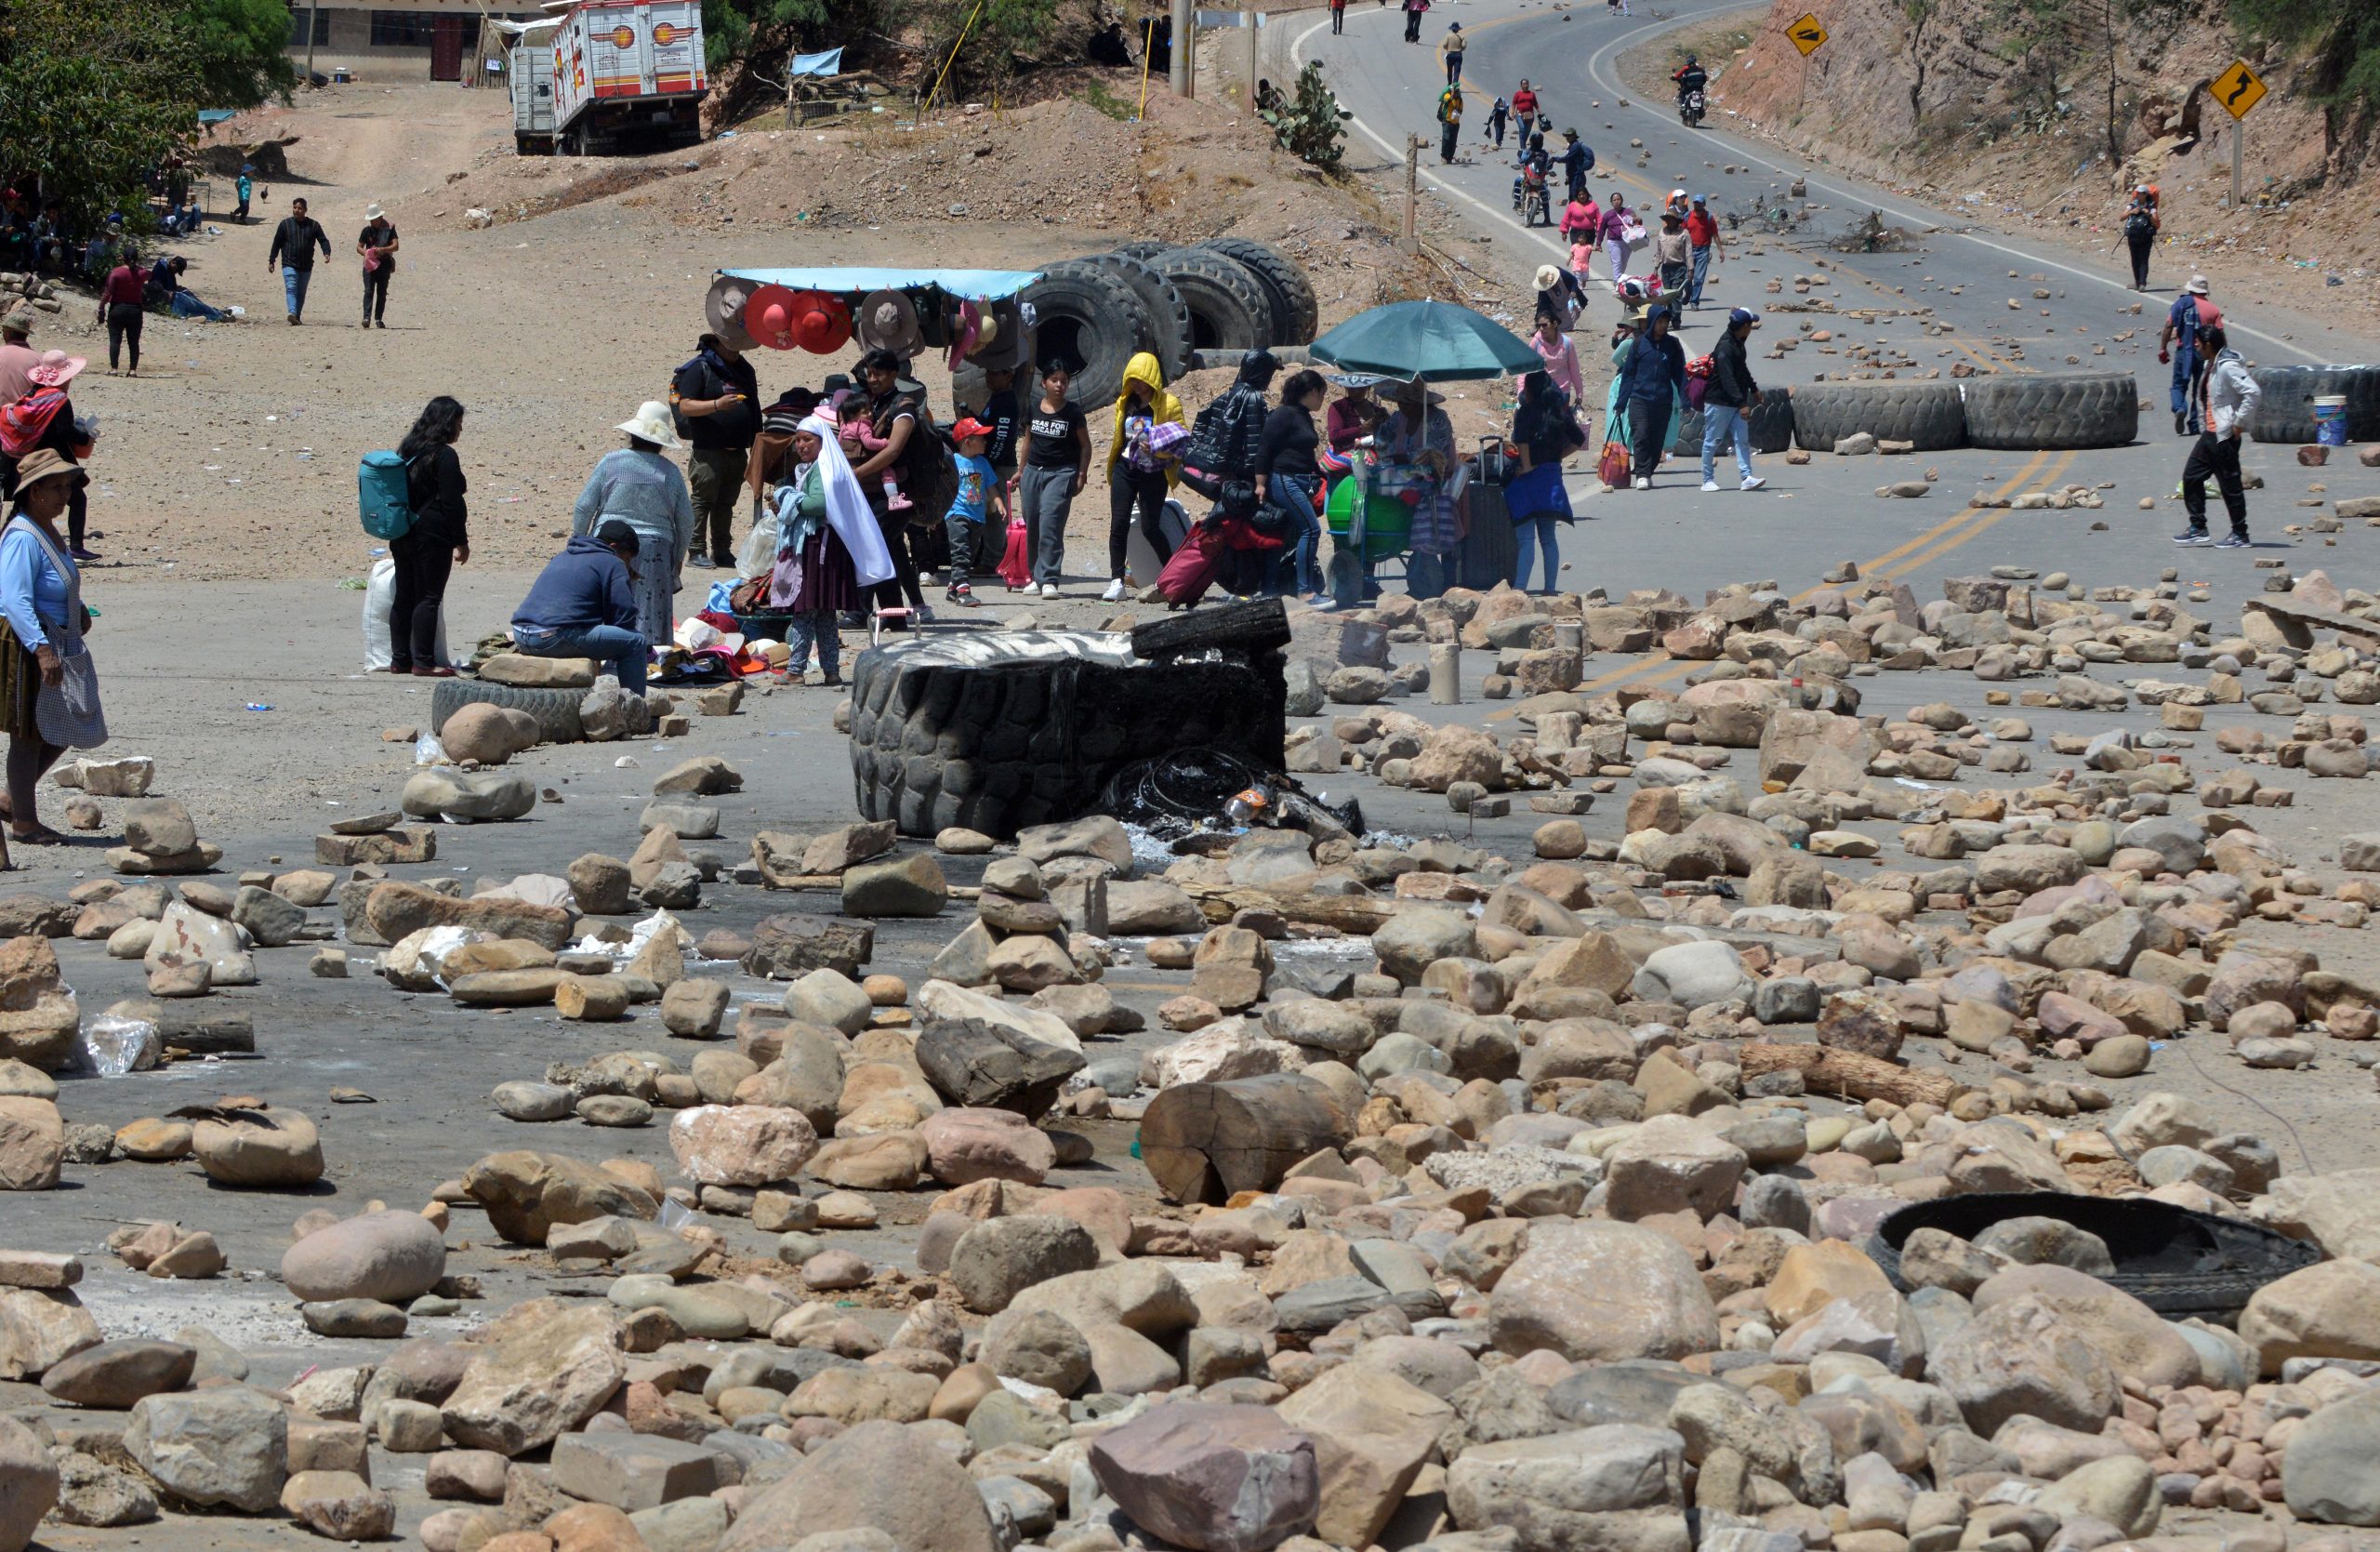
point(2238, 90)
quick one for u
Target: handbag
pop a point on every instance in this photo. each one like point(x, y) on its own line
point(1613, 466)
point(67, 714)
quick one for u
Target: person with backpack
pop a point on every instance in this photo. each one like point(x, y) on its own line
point(433, 544)
point(715, 402)
point(2226, 396)
point(1546, 432)
point(1057, 465)
point(1450, 122)
point(2193, 312)
point(1450, 50)
point(2140, 225)
point(1577, 160)
point(1140, 471)
point(638, 486)
point(1498, 113)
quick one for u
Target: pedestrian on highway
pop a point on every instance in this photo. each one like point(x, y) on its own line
point(1577, 160)
point(42, 620)
point(1616, 220)
point(1140, 471)
point(1545, 429)
point(376, 245)
point(1729, 398)
point(120, 298)
point(1338, 17)
point(1288, 478)
point(1554, 347)
point(2140, 224)
point(1496, 117)
point(2226, 397)
point(1057, 464)
point(1654, 379)
point(1703, 247)
point(439, 540)
point(636, 486)
point(1413, 9)
point(1450, 50)
point(2192, 312)
point(584, 603)
point(1673, 254)
point(715, 404)
point(294, 242)
point(1523, 105)
point(1449, 121)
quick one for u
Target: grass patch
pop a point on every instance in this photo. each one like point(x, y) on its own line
point(1097, 95)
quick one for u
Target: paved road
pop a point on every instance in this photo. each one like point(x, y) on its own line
point(1813, 515)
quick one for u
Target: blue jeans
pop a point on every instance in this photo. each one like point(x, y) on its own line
point(1697, 275)
point(802, 632)
point(617, 647)
point(2185, 364)
point(186, 306)
point(293, 289)
point(1719, 422)
point(1543, 529)
point(1301, 571)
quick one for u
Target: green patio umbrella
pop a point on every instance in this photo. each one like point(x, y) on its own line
point(1432, 341)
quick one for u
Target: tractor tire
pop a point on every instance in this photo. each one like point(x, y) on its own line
point(1284, 278)
point(1771, 431)
point(1229, 309)
point(1146, 248)
point(1928, 415)
point(2285, 413)
point(556, 710)
point(2020, 412)
point(1091, 314)
point(1165, 305)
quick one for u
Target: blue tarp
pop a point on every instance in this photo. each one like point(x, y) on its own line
point(978, 284)
point(828, 63)
point(217, 115)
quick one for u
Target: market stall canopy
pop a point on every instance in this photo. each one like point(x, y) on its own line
point(1434, 341)
point(981, 284)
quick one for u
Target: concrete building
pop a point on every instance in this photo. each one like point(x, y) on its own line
point(426, 38)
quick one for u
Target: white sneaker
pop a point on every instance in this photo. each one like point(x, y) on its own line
point(1049, 589)
point(1644, 484)
point(1709, 485)
point(1752, 483)
point(1115, 593)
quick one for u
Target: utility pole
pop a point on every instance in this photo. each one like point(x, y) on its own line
point(1251, 20)
point(314, 19)
point(1412, 192)
point(1185, 27)
point(2239, 151)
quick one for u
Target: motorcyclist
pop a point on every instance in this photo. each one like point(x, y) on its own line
point(1690, 77)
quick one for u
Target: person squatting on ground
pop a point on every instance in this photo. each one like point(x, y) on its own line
point(1729, 398)
point(1057, 464)
point(1140, 473)
point(714, 397)
point(636, 486)
point(42, 620)
point(584, 604)
point(377, 246)
point(439, 540)
point(2226, 397)
point(294, 244)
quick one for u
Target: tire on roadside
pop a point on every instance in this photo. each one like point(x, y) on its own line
point(1229, 309)
point(1930, 416)
point(556, 710)
point(2027, 412)
point(1166, 308)
point(1088, 313)
point(1296, 315)
point(2285, 411)
point(1771, 421)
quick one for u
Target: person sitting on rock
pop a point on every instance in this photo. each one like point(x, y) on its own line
point(583, 604)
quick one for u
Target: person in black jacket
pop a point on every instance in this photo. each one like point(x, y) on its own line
point(1651, 382)
point(438, 541)
point(1290, 477)
point(1729, 398)
point(716, 397)
point(294, 242)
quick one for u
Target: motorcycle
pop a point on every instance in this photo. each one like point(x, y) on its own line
point(1536, 204)
point(1690, 110)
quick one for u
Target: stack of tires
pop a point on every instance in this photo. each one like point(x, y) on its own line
point(2013, 412)
point(1228, 294)
point(2285, 409)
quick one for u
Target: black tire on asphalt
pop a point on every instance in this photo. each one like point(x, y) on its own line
point(1772, 427)
point(1928, 415)
point(1228, 307)
point(1088, 313)
point(2285, 412)
point(1284, 278)
point(1166, 308)
point(556, 710)
point(2027, 412)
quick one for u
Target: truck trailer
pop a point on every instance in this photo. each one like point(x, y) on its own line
point(621, 75)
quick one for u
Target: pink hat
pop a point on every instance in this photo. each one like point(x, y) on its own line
point(55, 369)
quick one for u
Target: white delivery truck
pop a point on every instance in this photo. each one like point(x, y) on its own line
point(628, 75)
point(532, 77)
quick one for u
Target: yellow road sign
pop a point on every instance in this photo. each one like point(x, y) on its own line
point(1807, 35)
point(2238, 90)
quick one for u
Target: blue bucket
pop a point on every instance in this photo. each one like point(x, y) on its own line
point(2330, 419)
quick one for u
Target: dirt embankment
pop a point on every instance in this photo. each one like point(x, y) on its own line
point(2037, 135)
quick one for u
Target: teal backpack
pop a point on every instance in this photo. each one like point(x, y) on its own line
point(382, 497)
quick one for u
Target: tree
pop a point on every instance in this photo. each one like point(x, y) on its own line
point(89, 108)
point(733, 30)
point(2343, 48)
point(243, 50)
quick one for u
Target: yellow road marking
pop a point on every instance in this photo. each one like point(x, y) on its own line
point(2058, 472)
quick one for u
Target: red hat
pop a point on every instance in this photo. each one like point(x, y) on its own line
point(967, 428)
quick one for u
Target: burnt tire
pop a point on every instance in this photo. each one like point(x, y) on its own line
point(1229, 309)
point(2285, 412)
point(2017, 412)
point(1296, 315)
point(556, 710)
point(1928, 415)
point(1166, 308)
point(1089, 314)
point(1772, 429)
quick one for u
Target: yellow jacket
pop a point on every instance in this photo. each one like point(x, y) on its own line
point(1163, 407)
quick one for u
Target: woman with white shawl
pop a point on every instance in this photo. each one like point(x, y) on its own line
point(829, 550)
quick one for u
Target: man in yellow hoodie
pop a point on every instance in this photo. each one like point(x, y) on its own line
point(1141, 465)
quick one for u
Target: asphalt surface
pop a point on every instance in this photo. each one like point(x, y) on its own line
point(1959, 274)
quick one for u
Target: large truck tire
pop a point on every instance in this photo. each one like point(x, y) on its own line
point(1928, 415)
point(1091, 314)
point(1145, 247)
point(556, 710)
point(2285, 412)
point(2028, 412)
point(1166, 308)
point(1229, 309)
point(1771, 431)
point(1296, 315)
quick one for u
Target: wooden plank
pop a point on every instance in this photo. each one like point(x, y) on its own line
point(1851, 1075)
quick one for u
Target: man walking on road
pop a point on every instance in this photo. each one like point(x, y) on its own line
point(1450, 49)
point(1577, 160)
point(1702, 246)
point(716, 397)
point(2227, 400)
point(294, 242)
point(1413, 9)
point(2140, 233)
point(1730, 395)
point(1450, 122)
point(2190, 315)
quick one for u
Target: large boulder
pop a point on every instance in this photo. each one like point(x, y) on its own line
point(441, 792)
point(278, 1149)
point(32, 1142)
point(1672, 1164)
point(2339, 1211)
point(390, 1256)
point(39, 1327)
point(977, 1064)
point(2328, 1310)
point(490, 734)
point(1000, 1257)
point(40, 1022)
point(2133, 1338)
point(1595, 1291)
point(526, 1193)
point(226, 1447)
point(115, 1376)
point(1617, 1488)
point(965, 1145)
point(1372, 1432)
point(1693, 975)
point(2327, 1473)
point(741, 1145)
point(538, 1373)
point(1211, 1478)
point(881, 1477)
point(2021, 1357)
point(28, 1484)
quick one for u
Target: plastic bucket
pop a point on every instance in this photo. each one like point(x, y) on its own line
point(2330, 419)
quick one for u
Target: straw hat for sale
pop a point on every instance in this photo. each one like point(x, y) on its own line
point(723, 310)
point(887, 321)
point(47, 463)
point(55, 369)
point(651, 423)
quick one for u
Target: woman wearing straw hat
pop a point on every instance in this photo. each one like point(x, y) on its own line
point(44, 417)
point(640, 487)
point(41, 640)
point(376, 245)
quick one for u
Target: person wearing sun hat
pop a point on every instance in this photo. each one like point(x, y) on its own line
point(17, 357)
point(44, 416)
point(376, 245)
point(637, 485)
point(41, 630)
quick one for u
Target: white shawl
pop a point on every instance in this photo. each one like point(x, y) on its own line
point(847, 508)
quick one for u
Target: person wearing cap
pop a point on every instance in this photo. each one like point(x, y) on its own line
point(1498, 113)
point(1450, 50)
point(44, 416)
point(120, 313)
point(1652, 384)
point(42, 622)
point(979, 494)
point(1673, 254)
point(2193, 312)
point(586, 603)
point(244, 186)
point(17, 357)
point(1702, 243)
point(1728, 397)
point(2140, 232)
point(1577, 160)
point(715, 404)
point(376, 245)
point(294, 242)
point(1449, 121)
point(637, 485)
point(1139, 474)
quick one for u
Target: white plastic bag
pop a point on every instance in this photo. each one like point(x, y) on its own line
point(114, 1046)
point(380, 595)
point(760, 553)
